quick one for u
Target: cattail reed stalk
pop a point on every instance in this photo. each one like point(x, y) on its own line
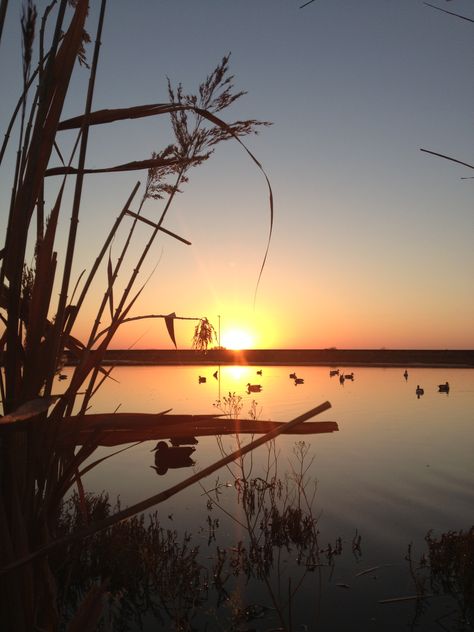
point(77, 192)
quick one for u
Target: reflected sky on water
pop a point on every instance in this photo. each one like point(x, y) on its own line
point(398, 466)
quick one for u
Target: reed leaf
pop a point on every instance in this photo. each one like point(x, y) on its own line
point(28, 410)
point(154, 225)
point(110, 279)
point(100, 117)
point(136, 165)
point(459, 162)
point(457, 15)
point(169, 321)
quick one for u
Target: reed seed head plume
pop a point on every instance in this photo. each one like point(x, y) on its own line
point(195, 137)
point(28, 25)
point(204, 335)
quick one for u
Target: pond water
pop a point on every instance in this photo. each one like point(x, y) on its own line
point(398, 467)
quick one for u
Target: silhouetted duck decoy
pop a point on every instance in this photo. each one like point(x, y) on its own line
point(443, 388)
point(342, 378)
point(259, 372)
point(405, 375)
point(419, 391)
point(253, 388)
point(334, 372)
point(299, 380)
point(349, 376)
point(62, 376)
point(202, 379)
point(292, 376)
point(215, 374)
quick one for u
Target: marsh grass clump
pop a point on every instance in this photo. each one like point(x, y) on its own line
point(147, 570)
point(41, 301)
point(276, 521)
point(230, 405)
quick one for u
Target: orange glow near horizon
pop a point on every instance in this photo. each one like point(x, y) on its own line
point(237, 339)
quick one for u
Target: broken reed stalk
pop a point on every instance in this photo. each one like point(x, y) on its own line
point(156, 499)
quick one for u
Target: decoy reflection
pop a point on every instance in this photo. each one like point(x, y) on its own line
point(173, 456)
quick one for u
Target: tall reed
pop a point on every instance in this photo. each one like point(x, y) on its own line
point(36, 470)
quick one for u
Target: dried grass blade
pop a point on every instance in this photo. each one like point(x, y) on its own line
point(28, 410)
point(110, 279)
point(135, 165)
point(154, 225)
point(100, 117)
point(409, 598)
point(82, 498)
point(222, 124)
point(457, 15)
point(372, 569)
point(169, 320)
point(459, 162)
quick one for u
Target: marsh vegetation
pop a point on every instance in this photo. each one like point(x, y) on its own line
point(39, 264)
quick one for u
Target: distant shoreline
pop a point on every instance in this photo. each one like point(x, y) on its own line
point(295, 357)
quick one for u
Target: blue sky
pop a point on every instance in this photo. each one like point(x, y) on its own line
point(372, 243)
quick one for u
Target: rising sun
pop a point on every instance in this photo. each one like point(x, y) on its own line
point(236, 339)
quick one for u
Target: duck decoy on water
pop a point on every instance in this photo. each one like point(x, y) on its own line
point(349, 376)
point(215, 375)
point(443, 388)
point(202, 379)
point(405, 375)
point(299, 380)
point(253, 388)
point(419, 391)
point(292, 376)
point(333, 372)
point(167, 457)
point(342, 378)
point(61, 376)
point(259, 372)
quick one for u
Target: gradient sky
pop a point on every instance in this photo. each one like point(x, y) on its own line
point(372, 242)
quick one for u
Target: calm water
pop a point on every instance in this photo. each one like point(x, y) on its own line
point(398, 467)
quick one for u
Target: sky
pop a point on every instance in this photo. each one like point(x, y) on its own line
point(372, 238)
